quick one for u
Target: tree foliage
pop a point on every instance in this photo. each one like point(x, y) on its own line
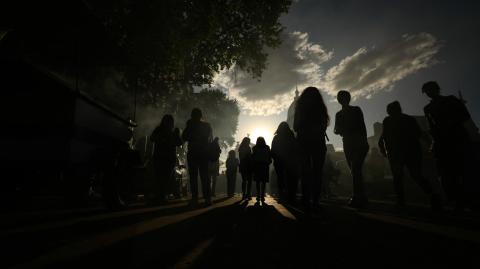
point(219, 110)
point(174, 44)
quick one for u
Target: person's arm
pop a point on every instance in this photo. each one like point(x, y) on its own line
point(431, 126)
point(363, 129)
point(381, 143)
point(337, 129)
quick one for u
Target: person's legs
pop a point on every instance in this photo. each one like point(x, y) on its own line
point(258, 190)
point(292, 183)
point(280, 170)
point(244, 185)
point(262, 194)
point(318, 159)
point(193, 176)
point(306, 179)
point(356, 159)
point(397, 172)
point(249, 186)
point(214, 184)
point(206, 185)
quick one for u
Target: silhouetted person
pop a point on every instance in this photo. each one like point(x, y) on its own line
point(198, 134)
point(284, 154)
point(446, 116)
point(261, 159)
point(400, 142)
point(232, 169)
point(310, 123)
point(165, 139)
point(245, 156)
point(349, 123)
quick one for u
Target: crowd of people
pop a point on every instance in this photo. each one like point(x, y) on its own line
point(298, 152)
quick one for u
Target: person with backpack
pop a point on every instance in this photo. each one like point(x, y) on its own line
point(261, 159)
point(232, 169)
point(198, 134)
point(245, 166)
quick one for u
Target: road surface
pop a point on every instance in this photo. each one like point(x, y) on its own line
point(239, 234)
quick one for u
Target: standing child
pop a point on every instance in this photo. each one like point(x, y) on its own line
point(261, 159)
point(232, 168)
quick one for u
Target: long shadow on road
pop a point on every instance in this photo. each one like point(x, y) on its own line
point(24, 246)
point(163, 247)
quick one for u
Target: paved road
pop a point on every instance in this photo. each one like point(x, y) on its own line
point(236, 234)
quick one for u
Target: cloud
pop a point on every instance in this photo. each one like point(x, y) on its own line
point(297, 61)
point(369, 71)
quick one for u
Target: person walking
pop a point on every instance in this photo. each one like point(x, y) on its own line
point(198, 134)
point(349, 124)
point(261, 159)
point(400, 143)
point(310, 123)
point(165, 139)
point(452, 146)
point(245, 167)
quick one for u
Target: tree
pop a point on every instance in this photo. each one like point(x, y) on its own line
point(175, 44)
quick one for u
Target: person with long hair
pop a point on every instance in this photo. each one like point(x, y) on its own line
point(198, 134)
point(284, 152)
point(165, 138)
point(261, 159)
point(310, 123)
point(349, 124)
point(245, 156)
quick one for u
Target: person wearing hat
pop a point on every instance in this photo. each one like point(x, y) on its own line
point(446, 116)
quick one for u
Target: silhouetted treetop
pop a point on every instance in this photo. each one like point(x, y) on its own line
point(174, 43)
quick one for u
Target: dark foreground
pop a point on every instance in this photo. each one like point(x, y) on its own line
point(235, 234)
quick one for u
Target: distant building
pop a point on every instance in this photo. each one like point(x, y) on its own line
point(291, 109)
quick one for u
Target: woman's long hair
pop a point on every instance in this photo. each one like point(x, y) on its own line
point(283, 129)
point(167, 124)
point(245, 145)
point(261, 142)
point(310, 108)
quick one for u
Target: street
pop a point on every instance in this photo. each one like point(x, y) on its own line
point(240, 234)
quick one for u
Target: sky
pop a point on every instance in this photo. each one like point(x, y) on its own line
point(380, 51)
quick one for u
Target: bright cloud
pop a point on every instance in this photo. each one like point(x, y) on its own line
point(369, 71)
point(296, 62)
